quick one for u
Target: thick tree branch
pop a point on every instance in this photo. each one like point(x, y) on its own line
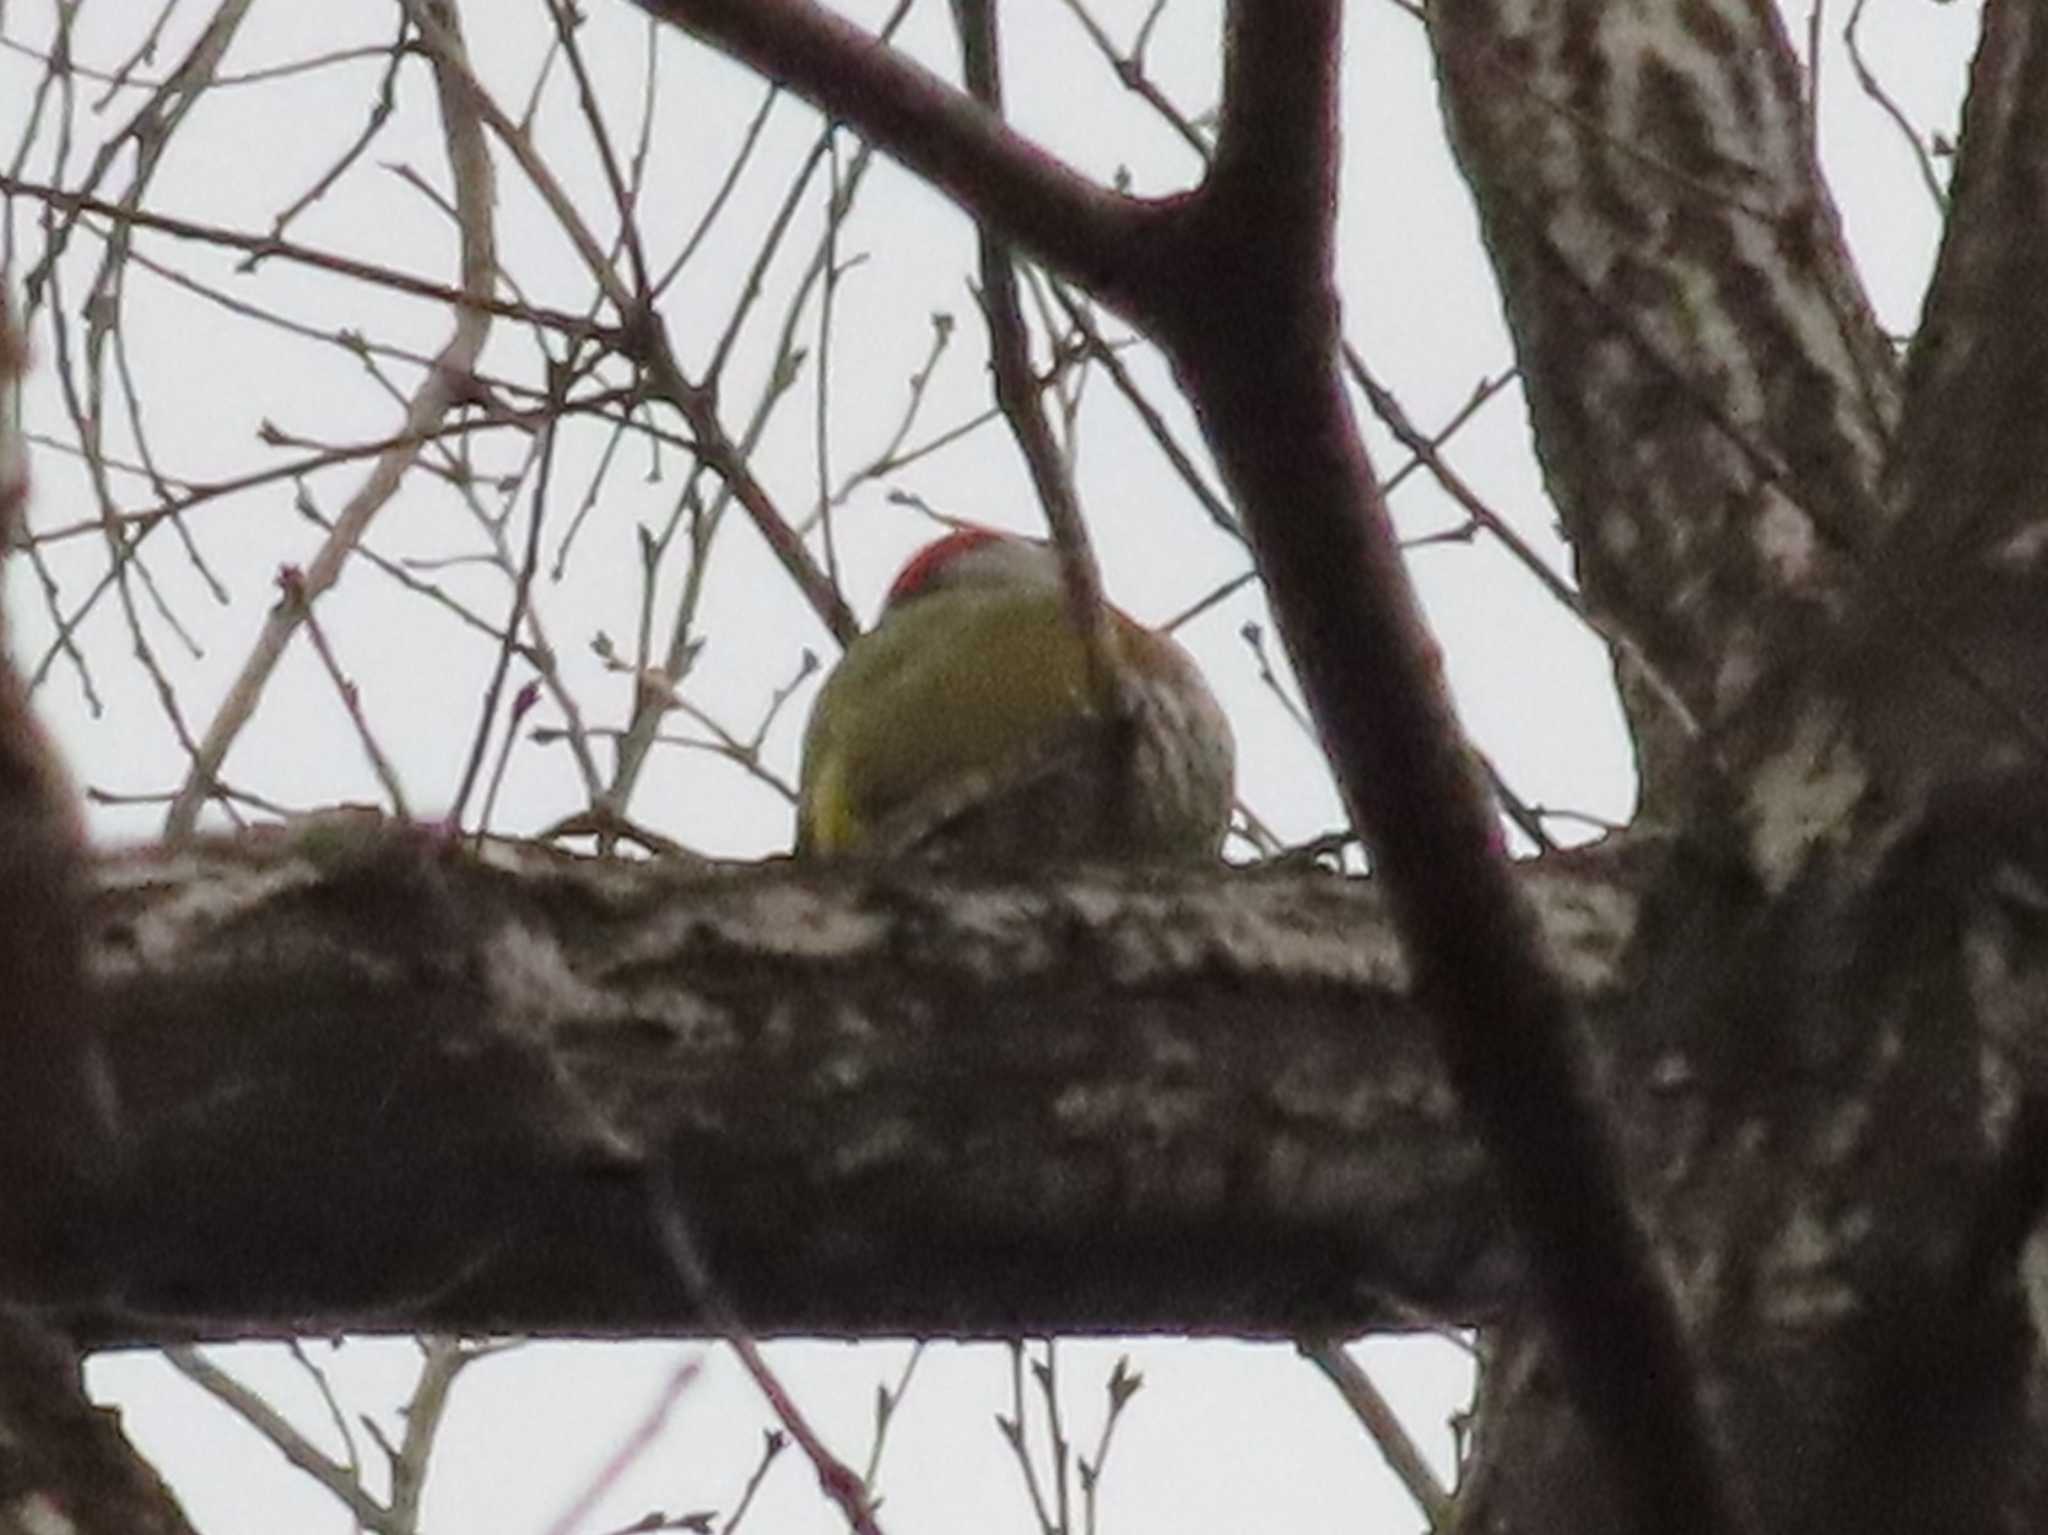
point(1711, 394)
point(371, 1084)
point(1974, 451)
point(1275, 165)
point(1970, 548)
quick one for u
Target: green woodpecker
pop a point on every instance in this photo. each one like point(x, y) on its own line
point(965, 725)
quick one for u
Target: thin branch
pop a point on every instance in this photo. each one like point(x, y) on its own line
point(475, 192)
point(638, 1440)
point(441, 1360)
point(248, 1405)
point(264, 245)
point(1130, 69)
point(522, 589)
point(887, 1400)
point(838, 1481)
point(1102, 353)
point(1379, 1419)
point(292, 584)
point(1871, 86)
point(773, 1443)
point(1388, 408)
point(1022, 192)
point(1017, 389)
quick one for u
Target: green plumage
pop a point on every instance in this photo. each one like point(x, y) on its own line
point(965, 722)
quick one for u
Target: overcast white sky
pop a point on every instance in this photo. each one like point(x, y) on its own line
point(1223, 1437)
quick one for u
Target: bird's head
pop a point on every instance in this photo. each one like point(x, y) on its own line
point(975, 558)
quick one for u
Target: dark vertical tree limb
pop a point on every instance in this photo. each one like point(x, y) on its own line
point(1254, 339)
point(1964, 693)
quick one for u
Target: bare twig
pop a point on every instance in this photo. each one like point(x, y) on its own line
point(1017, 390)
point(887, 1400)
point(773, 1442)
point(1016, 1432)
point(638, 1440)
point(475, 191)
point(837, 1480)
point(340, 1480)
point(521, 591)
point(291, 583)
point(1377, 1416)
point(1871, 86)
point(1122, 1385)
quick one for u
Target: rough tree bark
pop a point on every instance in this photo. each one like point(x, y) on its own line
point(1815, 975)
point(375, 1083)
point(1837, 572)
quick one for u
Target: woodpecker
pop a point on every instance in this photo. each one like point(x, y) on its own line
point(965, 726)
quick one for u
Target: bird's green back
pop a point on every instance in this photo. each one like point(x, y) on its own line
point(952, 683)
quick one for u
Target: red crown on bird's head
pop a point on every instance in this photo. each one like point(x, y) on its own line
point(942, 560)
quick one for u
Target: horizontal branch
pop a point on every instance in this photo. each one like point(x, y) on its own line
point(369, 1083)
